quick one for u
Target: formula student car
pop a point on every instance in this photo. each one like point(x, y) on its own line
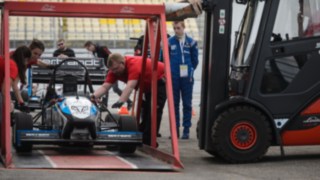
point(72, 119)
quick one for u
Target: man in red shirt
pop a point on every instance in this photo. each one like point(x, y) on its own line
point(104, 52)
point(129, 69)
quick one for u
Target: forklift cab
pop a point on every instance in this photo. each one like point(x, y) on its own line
point(262, 88)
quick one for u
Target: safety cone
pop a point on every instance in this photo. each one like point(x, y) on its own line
point(123, 110)
point(193, 112)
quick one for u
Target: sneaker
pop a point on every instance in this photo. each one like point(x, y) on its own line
point(185, 136)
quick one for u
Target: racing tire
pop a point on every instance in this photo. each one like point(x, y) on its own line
point(111, 118)
point(108, 118)
point(24, 95)
point(241, 134)
point(67, 130)
point(127, 123)
point(23, 121)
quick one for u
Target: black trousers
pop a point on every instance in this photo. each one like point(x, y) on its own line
point(145, 125)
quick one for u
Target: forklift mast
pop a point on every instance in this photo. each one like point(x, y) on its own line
point(215, 67)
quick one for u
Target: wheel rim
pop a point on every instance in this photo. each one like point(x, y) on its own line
point(243, 135)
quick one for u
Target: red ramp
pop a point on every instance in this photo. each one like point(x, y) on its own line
point(83, 158)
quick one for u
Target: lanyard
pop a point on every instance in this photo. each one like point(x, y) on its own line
point(182, 47)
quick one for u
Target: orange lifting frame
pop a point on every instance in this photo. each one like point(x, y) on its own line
point(138, 11)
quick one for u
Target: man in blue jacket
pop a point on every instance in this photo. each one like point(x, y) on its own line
point(183, 52)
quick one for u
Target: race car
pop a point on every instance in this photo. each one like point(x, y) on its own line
point(73, 119)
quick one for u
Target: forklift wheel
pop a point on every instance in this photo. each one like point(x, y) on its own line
point(127, 123)
point(23, 121)
point(248, 134)
point(197, 130)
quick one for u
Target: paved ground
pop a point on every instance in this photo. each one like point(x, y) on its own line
point(300, 163)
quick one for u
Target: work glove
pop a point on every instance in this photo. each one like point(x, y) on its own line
point(93, 99)
point(129, 105)
point(24, 108)
point(118, 104)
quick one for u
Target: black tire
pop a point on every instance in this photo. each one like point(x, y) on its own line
point(197, 130)
point(67, 130)
point(23, 121)
point(127, 123)
point(24, 95)
point(241, 134)
point(109, 118)
point(211, 152)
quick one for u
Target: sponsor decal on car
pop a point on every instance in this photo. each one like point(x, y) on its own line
point(79, 106)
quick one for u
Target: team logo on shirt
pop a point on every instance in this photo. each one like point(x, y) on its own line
point(187, 45)
point(173, 47)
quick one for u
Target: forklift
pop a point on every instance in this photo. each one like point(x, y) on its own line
point(261, 89)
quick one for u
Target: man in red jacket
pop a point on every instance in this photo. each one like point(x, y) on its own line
point(129, 69)
point(104, 52)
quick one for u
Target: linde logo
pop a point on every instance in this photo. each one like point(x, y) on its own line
point(127, 9)
point(312, 119)
point(48, 7)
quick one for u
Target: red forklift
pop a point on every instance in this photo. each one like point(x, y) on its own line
point(261, 89)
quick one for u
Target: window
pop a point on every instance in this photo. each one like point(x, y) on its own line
point(280, 72)
point(297, 19)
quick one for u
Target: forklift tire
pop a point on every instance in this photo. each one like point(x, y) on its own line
point(23, 121)
point(127, 123)
point(241, 134)
point(197, 130)
point(212, 152)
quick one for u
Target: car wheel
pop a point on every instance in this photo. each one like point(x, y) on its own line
point(23, 121)
point(112, 117)
point(24, 95)
point(127, 123)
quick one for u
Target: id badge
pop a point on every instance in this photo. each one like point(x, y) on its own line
point(183, 71)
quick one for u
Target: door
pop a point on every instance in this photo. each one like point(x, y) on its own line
point(286, 77)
